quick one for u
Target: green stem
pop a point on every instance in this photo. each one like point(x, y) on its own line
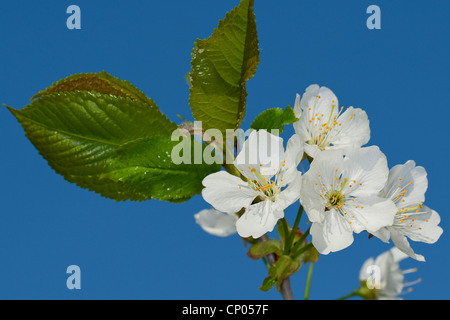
point(301, 240)
point(285, 227)
point(308, 281)
point(291, 237)
point(352, 294)
point(303, 249)
point(230, 168)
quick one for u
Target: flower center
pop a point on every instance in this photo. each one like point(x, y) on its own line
point(335, 200)
point(267, 188)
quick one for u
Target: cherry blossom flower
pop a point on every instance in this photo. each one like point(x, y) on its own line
point(386, 278)
point(406, 187)
point(323, 125)
point(271, 183)
point(340, 195)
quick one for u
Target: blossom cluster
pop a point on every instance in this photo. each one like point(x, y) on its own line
point(348, 187)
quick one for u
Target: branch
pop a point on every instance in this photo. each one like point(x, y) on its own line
point(285, 288)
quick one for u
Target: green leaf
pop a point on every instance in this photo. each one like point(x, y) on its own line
point(77, 132)
point(274, 119)
point(283, 268)
point(265, 248)
point(221, 66)
point(147, 167)
point(268, 283)
point(100, 82)
point(281, 230)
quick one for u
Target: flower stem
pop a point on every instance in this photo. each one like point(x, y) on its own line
point(303, 249)
point(291, 237)
point(352, 294)
point(285, 288)
point(308, 280)
point(285, 227)
point(300, 242)
point(266, 263)
point(230, 168)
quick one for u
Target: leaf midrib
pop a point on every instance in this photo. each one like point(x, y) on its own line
point(71, 133)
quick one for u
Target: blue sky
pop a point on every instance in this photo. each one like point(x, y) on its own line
point(154, 250)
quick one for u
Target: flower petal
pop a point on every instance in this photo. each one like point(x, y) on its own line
point(316, 107)
point(227, 193)
point(292, 193)
point(383, 234)
point(310, 198)
point(258, 219)
point(401, 242)
point(420, 225)
point(367, 169)
point(262, 152)
point(297, 107)
point(216, 223)
point(391, 275)
point(333, 234)
point(292, 157)
point(365, 272)
point(406, 185)
point(353, 130)
point(321, 99)
point(371, 213)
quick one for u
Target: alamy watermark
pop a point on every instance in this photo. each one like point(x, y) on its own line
point(74, 280)
point(374, 20)
point(74, 20)
point(374, 277)
point(223, 149)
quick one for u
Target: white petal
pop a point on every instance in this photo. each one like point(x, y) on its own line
point(292, 156)
point(310, 198)
point(320, 100)
point(316, 107)
point(292, 193)
point(365, 269)
point(401, 242)
point(399, 187)
point(323, 169)
point(353, 131)
point(333, 234)
point(227, 193)
point(297, 108)
point(367, 168)
point(391, 275)
point(312, 150)
point(371, 213)
point(419, 225)
point(397, 255)
point(258, 219)
point(394, 283)
point(263, 152)
point(216, 223)
point(383, 234)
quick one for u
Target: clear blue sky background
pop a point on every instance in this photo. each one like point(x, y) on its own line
point(154, 250)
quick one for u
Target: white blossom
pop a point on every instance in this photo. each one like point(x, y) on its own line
point(385, 274)
point(271, 183)
point(324, 125)
point(340, 196)
point(406, 187)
